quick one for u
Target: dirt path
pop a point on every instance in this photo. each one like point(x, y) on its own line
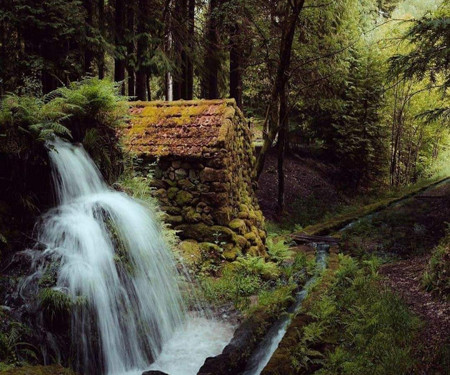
point(404, 278)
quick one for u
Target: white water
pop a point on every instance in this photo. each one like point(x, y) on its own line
point(111, 255)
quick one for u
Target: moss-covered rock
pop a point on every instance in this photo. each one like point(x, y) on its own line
point(238, 225)
point(173, 219)
point(186, 184)
point(212, 175)
point(183, 198)
point(191, 215)
point(191, 252)
point(209, 247)
point(207, 233)
point(231, 253)
point(241, 241)
point(250, 236)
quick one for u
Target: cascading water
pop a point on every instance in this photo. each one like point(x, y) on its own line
point(114, 264)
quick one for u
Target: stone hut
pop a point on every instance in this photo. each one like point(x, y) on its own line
point(202, 159)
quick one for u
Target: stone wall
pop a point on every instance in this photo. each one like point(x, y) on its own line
point(209, 197)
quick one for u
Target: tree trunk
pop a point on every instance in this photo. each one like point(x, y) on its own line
point(88, 53)
point(212, 58)
point(180, 44)
point(282, 135)
point(131, 15)
point(101, 21)
point(141, 81)
point(149, 88)
point(271, 120)
point(119, 61)
point(141, 86)
point(236, 65)
point(189, 60)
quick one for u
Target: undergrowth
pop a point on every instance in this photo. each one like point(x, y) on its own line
point(252, 283)
point(436, 277)
point(356, 326)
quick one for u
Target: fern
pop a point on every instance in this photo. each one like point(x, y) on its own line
point(258, 266)
point(279, 251)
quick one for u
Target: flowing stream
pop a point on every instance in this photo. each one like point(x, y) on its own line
point(122, 279)
point(267, 347)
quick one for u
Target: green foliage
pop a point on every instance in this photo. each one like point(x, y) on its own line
point(278, 251)
point(258, 266)
point(436, 277)
point(234, 285)
point(430, 45)
point(274, 301)
point(44, 44)
point(139, 188)
point(364, 327)
point(54, 303)
point(30, 118)
point(348, 121)
point(14, 347)
point(92, 99)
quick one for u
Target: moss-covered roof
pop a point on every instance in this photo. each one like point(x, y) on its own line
point(180, 128)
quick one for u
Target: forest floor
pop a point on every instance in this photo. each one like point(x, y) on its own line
point(407, 233)
point(310, 190)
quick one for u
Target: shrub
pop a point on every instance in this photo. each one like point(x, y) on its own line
point(436, 277)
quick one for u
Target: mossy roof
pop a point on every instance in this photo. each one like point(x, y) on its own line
point(179, 128)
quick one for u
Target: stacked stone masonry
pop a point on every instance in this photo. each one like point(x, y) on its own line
point(202, 158)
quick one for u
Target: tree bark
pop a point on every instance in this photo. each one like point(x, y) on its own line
point(189, 60)
point(88, 53)
point(119, 61)
point(236, 65)
point(212, 58)
point(282, 136)
point(141, 81)
point(101, 21)
point(131, 15)
point(293, 10)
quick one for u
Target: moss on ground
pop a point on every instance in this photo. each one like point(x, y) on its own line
point(37, 370)
point(341, 220)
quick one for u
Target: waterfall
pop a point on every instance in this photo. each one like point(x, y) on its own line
point(111, 255)
point(120, 276)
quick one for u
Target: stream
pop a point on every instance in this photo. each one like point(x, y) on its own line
point(264, 351)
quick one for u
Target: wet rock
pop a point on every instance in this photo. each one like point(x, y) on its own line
point(154, 372)
point(236, 354)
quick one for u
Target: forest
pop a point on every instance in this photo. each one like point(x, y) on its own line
point(211, 187)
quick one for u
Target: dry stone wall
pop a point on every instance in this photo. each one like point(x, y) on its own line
point(209, 195)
